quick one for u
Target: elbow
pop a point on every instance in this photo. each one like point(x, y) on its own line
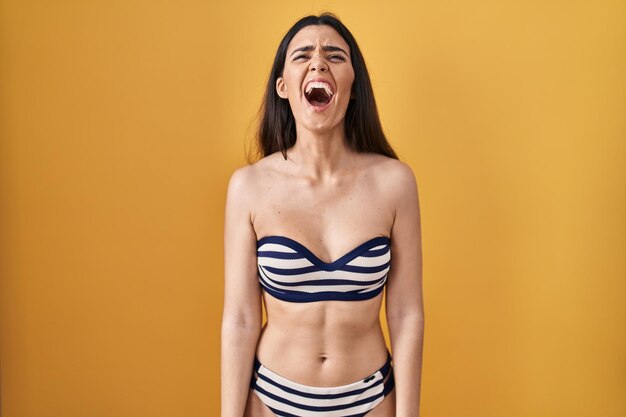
point(241, 323)
point(242, 316)
point(237, 333)
point(416, 316)
point(407, 325)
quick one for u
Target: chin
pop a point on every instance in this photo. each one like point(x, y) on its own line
point(320, 127)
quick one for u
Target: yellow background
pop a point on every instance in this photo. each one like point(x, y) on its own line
point(121, 122)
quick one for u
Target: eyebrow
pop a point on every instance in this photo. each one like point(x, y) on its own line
point(324, 48)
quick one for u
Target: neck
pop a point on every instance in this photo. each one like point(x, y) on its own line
point(320, 156)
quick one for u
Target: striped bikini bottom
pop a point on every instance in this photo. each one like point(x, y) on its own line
point(291, 399)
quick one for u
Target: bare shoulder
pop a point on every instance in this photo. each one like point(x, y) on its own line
point(246, 183)
point(397, 184)
point(240, 184)
point(394, 176)
point(247, 177)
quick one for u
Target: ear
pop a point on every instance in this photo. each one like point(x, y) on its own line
point(281, 87)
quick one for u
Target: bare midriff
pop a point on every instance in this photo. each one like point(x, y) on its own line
point(323, 343)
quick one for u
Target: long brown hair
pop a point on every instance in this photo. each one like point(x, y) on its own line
point(277, 127)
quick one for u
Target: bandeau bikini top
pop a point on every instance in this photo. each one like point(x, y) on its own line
point(291, 272)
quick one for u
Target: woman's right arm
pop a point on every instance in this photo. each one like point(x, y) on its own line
point(242, 316)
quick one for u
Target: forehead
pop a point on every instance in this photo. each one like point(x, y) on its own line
point(312, 34)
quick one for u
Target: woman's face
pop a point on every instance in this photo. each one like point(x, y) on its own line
point(317, 52)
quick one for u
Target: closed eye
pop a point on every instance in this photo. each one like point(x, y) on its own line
point(340, 57)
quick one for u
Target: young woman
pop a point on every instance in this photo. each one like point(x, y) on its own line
point(317, 228)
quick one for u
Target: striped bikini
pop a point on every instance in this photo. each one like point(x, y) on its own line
point(289, 271)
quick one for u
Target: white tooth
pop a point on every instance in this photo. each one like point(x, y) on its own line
point(319, 84)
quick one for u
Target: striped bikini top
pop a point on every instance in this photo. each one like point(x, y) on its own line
point(291, 272)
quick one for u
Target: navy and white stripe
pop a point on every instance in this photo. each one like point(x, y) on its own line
point(287, 398)
point(291, 272)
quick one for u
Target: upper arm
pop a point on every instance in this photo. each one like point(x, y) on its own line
point(404, 284)
point(242, 293)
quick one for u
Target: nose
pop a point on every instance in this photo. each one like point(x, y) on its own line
point(318, 64)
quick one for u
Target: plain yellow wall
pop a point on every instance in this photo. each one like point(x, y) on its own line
point(121, 122)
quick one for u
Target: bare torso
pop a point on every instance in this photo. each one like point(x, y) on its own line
point(325, 343)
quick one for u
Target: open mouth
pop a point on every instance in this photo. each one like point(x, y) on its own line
point(318, 93)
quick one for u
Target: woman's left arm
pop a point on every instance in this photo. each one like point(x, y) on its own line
point(404, 305)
